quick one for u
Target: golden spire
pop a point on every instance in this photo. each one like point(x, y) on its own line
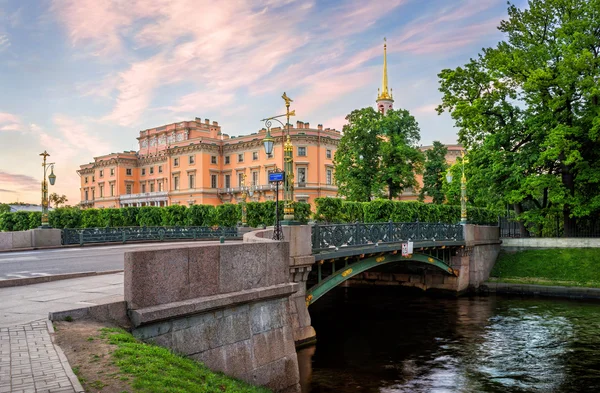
point(384, 92)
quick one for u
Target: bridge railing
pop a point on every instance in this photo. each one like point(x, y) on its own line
point(332, 236)
point(82, 236)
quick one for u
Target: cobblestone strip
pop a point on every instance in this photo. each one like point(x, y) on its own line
point(30, 363)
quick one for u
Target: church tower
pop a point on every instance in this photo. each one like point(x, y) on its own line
point(385, 100)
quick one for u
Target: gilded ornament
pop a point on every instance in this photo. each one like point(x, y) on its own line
point(380, 259)
point(346, 273)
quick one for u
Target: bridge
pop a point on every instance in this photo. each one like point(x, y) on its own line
point(344, 251)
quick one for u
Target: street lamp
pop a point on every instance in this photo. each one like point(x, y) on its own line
point(52, 179)
point(244, 194)
point(288, 159)
point(463, 190)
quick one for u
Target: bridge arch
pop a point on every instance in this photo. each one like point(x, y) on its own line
point(335, 279)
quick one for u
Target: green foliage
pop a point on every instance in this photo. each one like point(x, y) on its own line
point(129, 216)
point(111, 217)
point(21, 221)
point(4, 208)
point(527, 112)
point(352, 211)
point(557, 266)
point(65, 217)
point(155, 369)
point(7, 222)
point(434, 176)
point(328, 209)
point(56, 200)
point(149, 216)
point(301, 212)
point(201, 215)
point(379, 210)
point(377, 154)
point(384, 210)
point(229, 215)
point(90, 218)
point(174, 215)
point(35, 220)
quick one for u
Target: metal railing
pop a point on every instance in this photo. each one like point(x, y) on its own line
point(83, 236)
point(585, 227)
point(333, 236)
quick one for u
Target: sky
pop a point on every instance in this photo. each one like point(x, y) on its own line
point(81, 78)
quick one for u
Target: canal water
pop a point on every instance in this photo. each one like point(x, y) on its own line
point(382, 340)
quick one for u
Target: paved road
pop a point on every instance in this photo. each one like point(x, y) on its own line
point(39, 263)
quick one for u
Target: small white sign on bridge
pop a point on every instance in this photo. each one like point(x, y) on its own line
point(407, 249)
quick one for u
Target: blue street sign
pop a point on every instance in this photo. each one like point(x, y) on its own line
point(276, 177)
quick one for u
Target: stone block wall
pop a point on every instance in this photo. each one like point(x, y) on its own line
point(30, 239)
point(512, 245)
point(226, 305)
point(301, 261)
point(483, 246)
point(253, 342)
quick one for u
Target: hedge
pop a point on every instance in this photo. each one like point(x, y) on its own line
point(335, 210)
point(226, 215)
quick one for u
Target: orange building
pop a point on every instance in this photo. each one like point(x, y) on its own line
point(193, 162)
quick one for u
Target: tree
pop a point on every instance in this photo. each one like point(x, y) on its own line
point(377, 155)
point(356, 160)
point(434, 175)
point(57, 200)
point(4, 208)
point(528, 112)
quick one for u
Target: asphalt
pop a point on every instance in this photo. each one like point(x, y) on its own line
point(40, 263)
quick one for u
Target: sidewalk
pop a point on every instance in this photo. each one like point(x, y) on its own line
point(29, 361)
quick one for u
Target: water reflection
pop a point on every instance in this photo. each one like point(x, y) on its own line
point(385, 341)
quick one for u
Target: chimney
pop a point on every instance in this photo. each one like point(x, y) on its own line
point(306, 125)
point(298, 124)
point(215, 123)
point(320, 127)
point(206, 121)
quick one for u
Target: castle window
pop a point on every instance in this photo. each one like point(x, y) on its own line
point(143, 171)
point(226, 159)
point(328, 153)
point(302, 151)
point(128, 171)
point(213, 159)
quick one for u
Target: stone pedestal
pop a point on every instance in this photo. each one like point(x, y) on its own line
point(47, 237)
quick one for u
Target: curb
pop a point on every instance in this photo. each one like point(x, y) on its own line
point(64, 361)
point(17, 282)
point(542, 290)
point(113, 244)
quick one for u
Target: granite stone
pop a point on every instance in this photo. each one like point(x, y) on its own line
point(156, 277)
point(204, 270)
point(268, 315)
point(243, 266)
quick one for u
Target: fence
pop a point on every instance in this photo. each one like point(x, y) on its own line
point(585, 227)
point(325, 237)
point(82, 236)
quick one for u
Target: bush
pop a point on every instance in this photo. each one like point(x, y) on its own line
point(174, 215)
point(149, 216)
point(228, 215)
point(201, 215)
point(7, 222)
point(328, 209)
point(90, 218)
point(130, 216)
point(353, 211)
point(35, 220)
point(65, 217)
point(302, 212)
point(379, 210)
point(111, 217)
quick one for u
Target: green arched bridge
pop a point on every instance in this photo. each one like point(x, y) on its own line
point(343, 251)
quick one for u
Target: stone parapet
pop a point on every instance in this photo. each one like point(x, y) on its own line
point(32, 238)
point(226, 305)
point(517, 244)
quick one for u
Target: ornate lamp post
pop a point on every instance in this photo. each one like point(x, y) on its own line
point(52, 179)
point(288, 160)
point(268, 144)
point(463, 190)
point(244, 194)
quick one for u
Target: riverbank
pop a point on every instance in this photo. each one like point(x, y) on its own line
point(565, 267)
point(111, 360)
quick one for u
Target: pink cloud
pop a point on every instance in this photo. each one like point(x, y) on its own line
point(10, 122)
point(19, 182)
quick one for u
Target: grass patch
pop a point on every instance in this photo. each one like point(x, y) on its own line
point(156, 369)
point(578, 267)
